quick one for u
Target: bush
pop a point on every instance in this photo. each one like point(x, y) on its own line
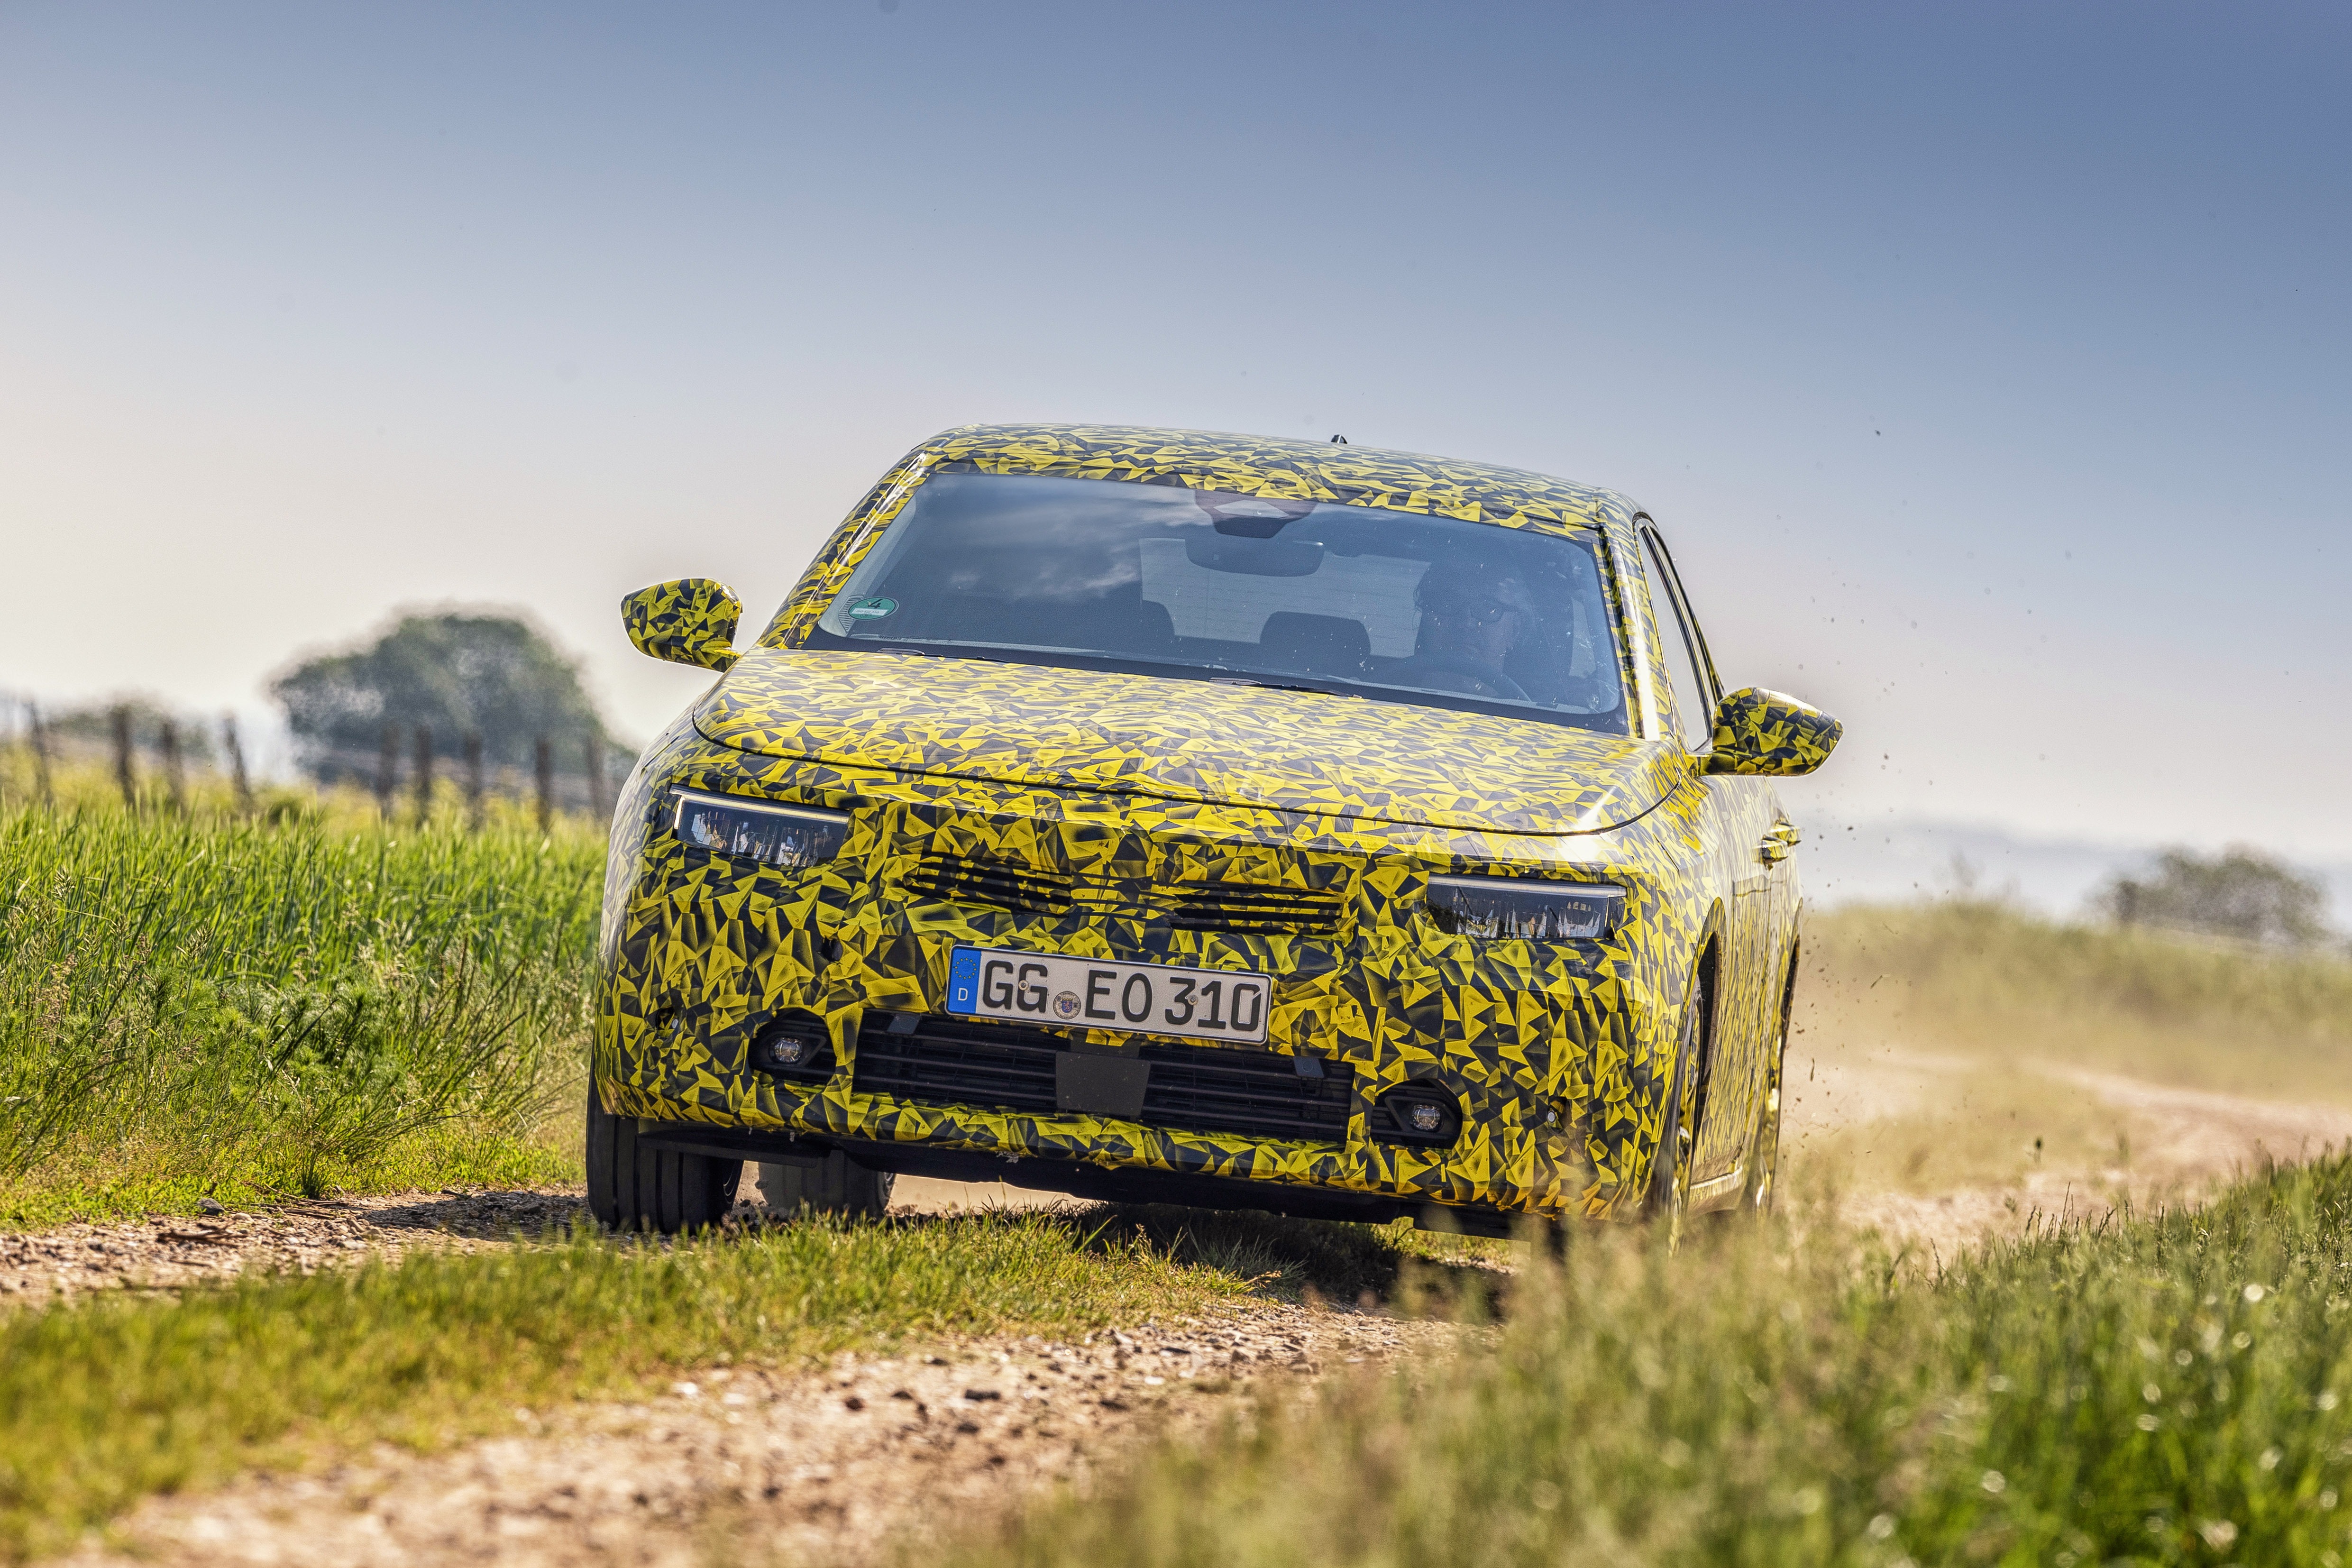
point(2240, 894)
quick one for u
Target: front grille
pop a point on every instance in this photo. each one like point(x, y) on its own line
point(991, 882)
point(1011, 1066)
point(1245, 907)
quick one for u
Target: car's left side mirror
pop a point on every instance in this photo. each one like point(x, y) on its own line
point(1758, 731)
point(688, 621)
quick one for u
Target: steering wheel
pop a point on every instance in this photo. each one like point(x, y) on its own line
point(1484, 678)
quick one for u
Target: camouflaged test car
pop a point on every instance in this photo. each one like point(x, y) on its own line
point(1219, 820)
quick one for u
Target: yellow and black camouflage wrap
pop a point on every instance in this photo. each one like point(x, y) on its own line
point(1128, 788)
point(1771, 733)
point(690, 621)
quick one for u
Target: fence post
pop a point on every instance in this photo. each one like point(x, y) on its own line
point(175, 784)
point(473, 781)
point(123, 775)
point(387, 764)
point(592, 755)
point(423, 774)
point(237, 764)
point(41, 757)
point(543, 756)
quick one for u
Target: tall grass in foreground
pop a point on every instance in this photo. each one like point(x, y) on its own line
point(1984, 978)
point(103, 1402)
point(196, 1003)
point(2172, 1389)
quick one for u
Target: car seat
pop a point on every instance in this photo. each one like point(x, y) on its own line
point(1315, 644)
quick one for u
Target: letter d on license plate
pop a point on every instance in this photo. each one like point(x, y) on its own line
point(1086, 993)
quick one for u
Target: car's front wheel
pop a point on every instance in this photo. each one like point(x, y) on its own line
point(1764, 1150)
point(836, 1185)
point(634, 1186)
point(1668, 1200)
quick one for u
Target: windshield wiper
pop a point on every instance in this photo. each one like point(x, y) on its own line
point(1274, 684)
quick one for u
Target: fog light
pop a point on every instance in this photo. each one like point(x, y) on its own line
point(1421, 1114)
point(794, 1046)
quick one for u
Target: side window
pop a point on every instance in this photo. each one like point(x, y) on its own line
point(1694, 700)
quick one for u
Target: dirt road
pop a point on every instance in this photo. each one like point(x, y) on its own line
point(2164, 1145)
point(833, 1465)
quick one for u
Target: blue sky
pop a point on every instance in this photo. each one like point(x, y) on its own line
point(1986, 365)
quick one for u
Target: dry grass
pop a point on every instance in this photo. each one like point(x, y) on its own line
point(1988, 1127)
point(1992, 983)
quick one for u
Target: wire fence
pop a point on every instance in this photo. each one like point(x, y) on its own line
point(156, 759)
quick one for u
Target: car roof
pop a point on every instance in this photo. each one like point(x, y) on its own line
point(1274, 466)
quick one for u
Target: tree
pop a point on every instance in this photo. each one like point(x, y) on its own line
point(457, 674)
point(2240, 893)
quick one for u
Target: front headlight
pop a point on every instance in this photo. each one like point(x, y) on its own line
point(1525, 908)
point(791, 837)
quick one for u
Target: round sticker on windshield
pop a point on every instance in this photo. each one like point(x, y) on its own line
point(872, 609)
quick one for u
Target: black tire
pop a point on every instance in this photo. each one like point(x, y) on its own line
point(1667, 1203)
point(632, 1185)
point(837, 1185)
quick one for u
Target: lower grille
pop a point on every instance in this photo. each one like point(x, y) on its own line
point(947, 1061)
point(1011, 1066)
point(1208, 1088)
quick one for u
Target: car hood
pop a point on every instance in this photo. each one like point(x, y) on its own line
point(1184, 740)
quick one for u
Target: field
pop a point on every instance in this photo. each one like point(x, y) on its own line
point(201, 1006)
point(288, 1013)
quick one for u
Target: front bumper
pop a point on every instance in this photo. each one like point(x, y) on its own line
point(704, 954)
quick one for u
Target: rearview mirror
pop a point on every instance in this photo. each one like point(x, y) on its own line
point(1767, 732)
point(1256, 557)
point(688, 621)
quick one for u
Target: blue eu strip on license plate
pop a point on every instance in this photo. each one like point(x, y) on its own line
point(1060, 992)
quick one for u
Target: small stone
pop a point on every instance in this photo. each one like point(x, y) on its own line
point(210, 1205)
point(981, 1394)
point(854, 1403)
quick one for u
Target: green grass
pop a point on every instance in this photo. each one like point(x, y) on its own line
point(103, 1402)
point(2169, 1389)
point(199, 1003)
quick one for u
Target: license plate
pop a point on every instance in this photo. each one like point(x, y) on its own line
point(1090, 994)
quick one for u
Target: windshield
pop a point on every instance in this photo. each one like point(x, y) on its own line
point(1107, 573)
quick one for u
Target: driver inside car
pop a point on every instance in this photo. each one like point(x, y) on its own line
point(1474, 614)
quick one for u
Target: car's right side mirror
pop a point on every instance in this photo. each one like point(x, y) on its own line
point(688, 621)
point(1760, 731)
